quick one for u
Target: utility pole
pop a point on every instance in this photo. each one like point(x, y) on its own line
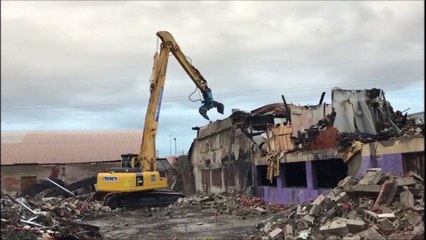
point(170, 137)
point(175, 146)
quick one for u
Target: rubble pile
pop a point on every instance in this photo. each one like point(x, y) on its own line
point(377, 206)
point(233, 204)
point(50, 218)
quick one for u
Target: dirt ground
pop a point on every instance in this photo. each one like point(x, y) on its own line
point(164, 223)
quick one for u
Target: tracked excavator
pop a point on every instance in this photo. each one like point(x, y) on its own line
point(137, 183)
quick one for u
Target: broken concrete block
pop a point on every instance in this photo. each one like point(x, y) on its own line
point(337, 227)
point(260, 210)
point(414, 218)
point(355, 226)
point(315, 210)
point(288, 231)
point(318, 200)
point(367, 188)
point(334, 192)
point(351, 237)
point(385, 225)
point(275, 233)
point(371, 233)
point(407, 198)
point(418, 232)
point(346, 183)
point(371, 177)
point(406, 181)
point(267, 227)
point(386, 215)
point(370, 216)
point(205, 199)
point(386, 194)
point(341, 198)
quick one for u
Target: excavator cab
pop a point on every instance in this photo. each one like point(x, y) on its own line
point(129, 161)
point(209, 103)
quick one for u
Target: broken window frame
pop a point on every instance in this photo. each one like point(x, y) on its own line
point(261, 180)
point(329, 164)
point(284, 169)
point(216, 176)
point(414, 162)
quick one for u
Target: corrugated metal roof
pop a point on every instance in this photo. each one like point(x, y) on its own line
point(274, 108)
point(58, 147)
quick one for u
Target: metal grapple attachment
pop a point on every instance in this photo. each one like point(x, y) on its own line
point(209, 103)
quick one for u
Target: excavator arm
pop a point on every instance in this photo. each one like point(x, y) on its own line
point(198, 79)
point(147, 156)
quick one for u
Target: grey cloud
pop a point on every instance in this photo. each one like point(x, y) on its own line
point(91, 61)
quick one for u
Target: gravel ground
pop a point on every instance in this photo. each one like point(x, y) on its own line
point(164, 223)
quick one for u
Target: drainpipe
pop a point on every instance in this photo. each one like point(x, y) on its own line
point(253, 166)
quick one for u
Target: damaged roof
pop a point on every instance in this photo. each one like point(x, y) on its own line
point(274, 109)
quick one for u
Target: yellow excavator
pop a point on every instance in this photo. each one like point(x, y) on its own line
point(137, 183)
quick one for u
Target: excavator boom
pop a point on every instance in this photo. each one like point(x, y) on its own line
point(193, 73)
point(137, 182)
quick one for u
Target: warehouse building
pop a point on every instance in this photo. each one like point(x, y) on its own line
point(29, 156)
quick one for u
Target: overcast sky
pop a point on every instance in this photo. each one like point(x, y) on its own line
point(86, 65)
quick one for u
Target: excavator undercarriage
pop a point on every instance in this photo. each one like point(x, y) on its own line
point(153, 198)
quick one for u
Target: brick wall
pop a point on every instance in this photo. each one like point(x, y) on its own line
point(11, 176)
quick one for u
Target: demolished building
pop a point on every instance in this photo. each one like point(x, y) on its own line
point(295, 153)
point(222, 156)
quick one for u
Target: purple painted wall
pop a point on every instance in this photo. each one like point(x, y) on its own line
point(280, 194)
point(388, 163)
point(286, 195)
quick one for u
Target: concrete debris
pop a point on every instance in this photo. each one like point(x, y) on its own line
point(372, 177)
point(418, 232)
point(371, 233)
point(407, 199)
point(49, 218)
point(381, 206)
point(260, 210)
point(406, 181)
point(350, 211)
point(385, 225)
point(386, 194)
point(355, 226)
point(231, 204)
point(275, 233)
point(337, 227)
point(386, 215)
point(366, 188)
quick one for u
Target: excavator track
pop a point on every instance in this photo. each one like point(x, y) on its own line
point(154, 198)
